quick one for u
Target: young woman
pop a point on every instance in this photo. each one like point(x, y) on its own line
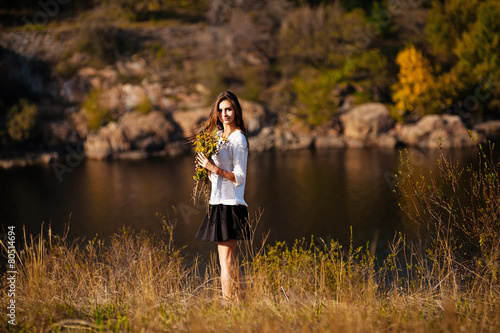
point(227, 219)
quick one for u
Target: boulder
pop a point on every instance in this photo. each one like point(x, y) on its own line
point(366, 122)
point(107, 141)
point(190, 121)
point(154, 91)
point(254, 116)
point(133, 132)
point(137, 127)
point(111, 100)
point(134, 67)
point(264, 141)
point(97, 147)
point(132, 95)
point(75, 89)
point(387, 140)
point(59, 133)
point(490, 129)
point(432, 131)
point(288, 140)
point(329, 141)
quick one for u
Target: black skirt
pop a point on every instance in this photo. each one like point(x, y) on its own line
point(224, 222)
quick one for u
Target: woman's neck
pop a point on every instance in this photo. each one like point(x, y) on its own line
point(228, 129)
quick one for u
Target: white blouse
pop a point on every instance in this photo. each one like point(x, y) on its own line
point(232, 156)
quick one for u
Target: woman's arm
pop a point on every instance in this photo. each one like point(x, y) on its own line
point(240, 157)
point(211, 167)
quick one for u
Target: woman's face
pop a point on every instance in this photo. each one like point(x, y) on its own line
point(226, 112)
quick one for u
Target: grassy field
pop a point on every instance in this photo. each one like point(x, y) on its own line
point(139, 282)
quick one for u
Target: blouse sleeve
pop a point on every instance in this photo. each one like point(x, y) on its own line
point(240, 156)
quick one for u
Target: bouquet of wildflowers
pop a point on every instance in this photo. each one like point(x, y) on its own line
point(209, 144)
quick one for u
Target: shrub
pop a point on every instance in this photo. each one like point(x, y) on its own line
point(316, 102)
point(96, 114)
point(22, 119)
point(317, 90)
point(145, 106)
point(459, 211)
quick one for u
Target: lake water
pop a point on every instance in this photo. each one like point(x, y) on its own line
point(303, 194)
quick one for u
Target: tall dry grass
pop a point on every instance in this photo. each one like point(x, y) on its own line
point(139, 282)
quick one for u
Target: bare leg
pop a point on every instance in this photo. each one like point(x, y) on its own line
point(228, 269)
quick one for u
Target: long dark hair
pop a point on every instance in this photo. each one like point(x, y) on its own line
point(213, 120)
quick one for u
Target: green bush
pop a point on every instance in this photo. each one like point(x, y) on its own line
point(145, 106)
point(316, 90)
point(96, 114)
point(22, 120)
point(316, 102)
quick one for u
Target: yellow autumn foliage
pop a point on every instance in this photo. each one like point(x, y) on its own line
point(415, 92)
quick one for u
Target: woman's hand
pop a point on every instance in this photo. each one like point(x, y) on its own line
point(202, 160)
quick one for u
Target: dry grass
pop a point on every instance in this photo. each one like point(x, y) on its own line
point(141, 283)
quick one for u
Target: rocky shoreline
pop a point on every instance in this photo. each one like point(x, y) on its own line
point(141, 136)
point(147, 113)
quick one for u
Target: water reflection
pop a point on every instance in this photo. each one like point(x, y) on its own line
point(303, 193)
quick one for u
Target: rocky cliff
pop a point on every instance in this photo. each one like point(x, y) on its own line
point(147, 104)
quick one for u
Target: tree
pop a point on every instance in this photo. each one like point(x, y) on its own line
point(321, 37)
point(447, 21)
point(414, 90)
point(478, 48)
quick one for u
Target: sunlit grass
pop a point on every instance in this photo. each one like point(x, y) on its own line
point(141, 282)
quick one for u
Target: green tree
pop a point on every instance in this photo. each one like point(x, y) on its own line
point(322, 48)
point(316, 90)
point(320, 37)
point(315, 98)
point(22, 120)
point(478, 48)
point(447, 21)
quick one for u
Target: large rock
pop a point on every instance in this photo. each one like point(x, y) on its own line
point(111, 100)
point(254, 116)
point(190, 121)
point(432, 131)
point(133, 95)
point(366, 122)
point(154, 92)
point(150, 132)
point(59, 133)
point(490, 129)
point(280, 139)
point(264, 141)
point(329, 141)
point(143, 134)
